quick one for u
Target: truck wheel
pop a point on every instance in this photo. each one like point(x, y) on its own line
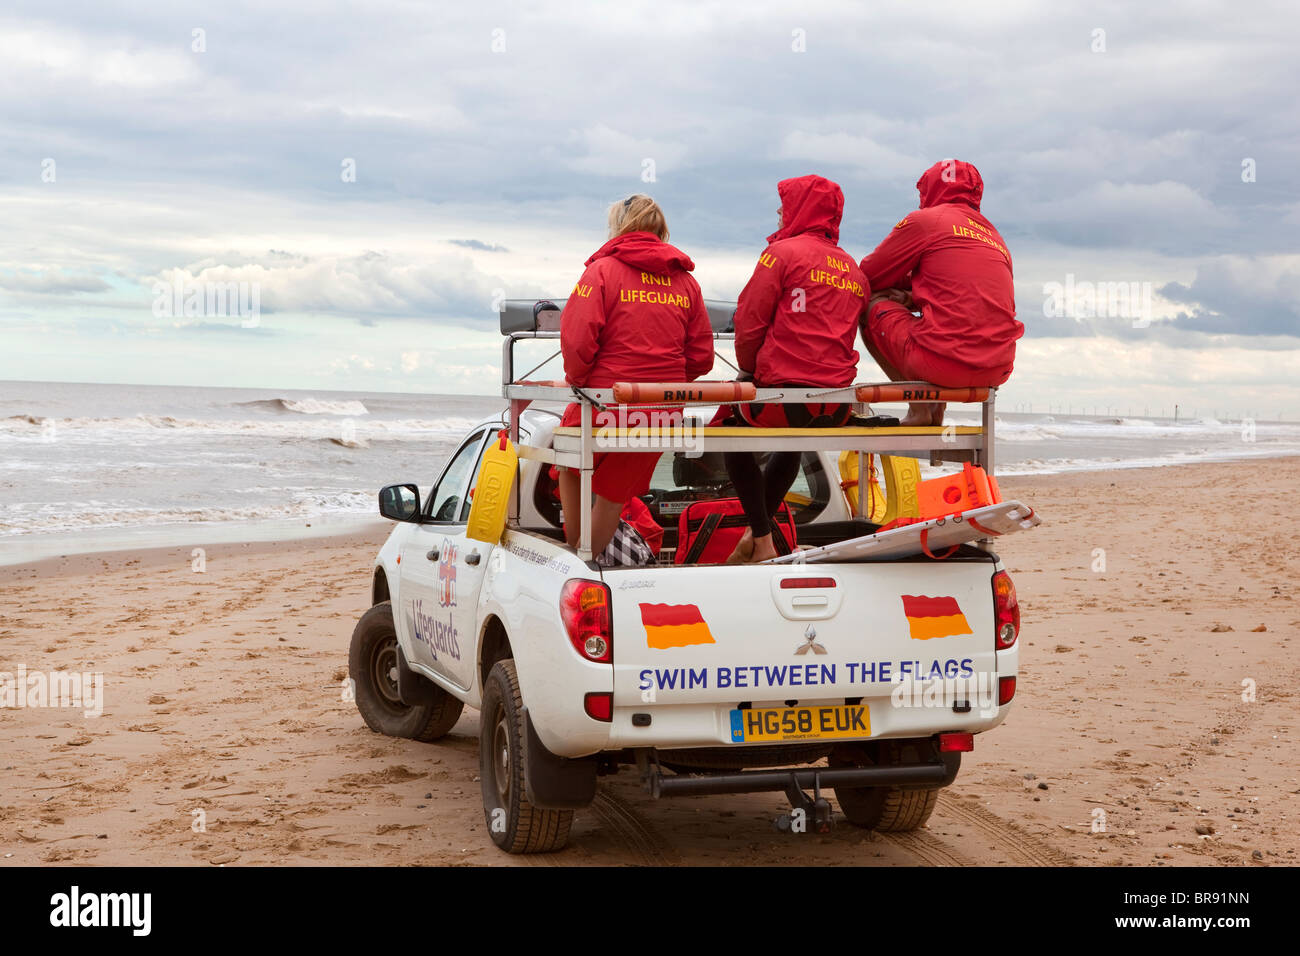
point(514, 824)
point(889, 809)
point(372, 665)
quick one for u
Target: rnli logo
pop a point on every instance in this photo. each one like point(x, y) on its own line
point(447, 574)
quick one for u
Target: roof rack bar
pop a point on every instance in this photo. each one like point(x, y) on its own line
point(577, 451)
point(987, 420)
point(585, 502)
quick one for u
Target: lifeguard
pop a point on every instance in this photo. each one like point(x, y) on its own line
point(949, 263)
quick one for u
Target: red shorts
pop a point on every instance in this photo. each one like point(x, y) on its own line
point(891, 327)
point(618, 476)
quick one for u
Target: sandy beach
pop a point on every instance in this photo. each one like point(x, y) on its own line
point(1153, 722)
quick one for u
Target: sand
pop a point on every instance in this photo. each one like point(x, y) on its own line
point(225, 738)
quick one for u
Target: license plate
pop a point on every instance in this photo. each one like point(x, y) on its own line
point(800, 723)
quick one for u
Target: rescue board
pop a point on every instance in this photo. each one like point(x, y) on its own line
point(938, 535)
point(490, 496)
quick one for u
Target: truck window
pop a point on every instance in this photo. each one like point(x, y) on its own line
point(449, 500)
point(679, 480)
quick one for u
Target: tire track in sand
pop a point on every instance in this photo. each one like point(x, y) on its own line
point(1022, 846)
point(927, 848)
point(630, 834)
point(631, 831)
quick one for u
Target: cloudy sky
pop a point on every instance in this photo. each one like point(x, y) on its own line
point(382, 172)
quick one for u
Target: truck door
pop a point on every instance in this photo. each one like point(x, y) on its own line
point(442, 572)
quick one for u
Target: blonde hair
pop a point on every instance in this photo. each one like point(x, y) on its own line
point(637, 213)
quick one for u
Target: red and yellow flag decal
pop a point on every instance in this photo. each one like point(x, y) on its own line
point(930, 617)
point(674, 625)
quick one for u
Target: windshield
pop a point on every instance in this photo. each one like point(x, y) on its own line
point(679, 480)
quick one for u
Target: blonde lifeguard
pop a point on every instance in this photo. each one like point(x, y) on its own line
point(637, 213)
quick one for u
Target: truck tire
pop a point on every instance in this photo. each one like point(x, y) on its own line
point(372, 665)
point(514, 824)
point(887, 809)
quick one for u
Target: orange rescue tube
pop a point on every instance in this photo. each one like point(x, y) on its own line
point(657, 393)
point(919, 392)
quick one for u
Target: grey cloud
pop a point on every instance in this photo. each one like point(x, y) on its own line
point(478, 244)
point(1253, 300)
point(51, 282)
point(364, 285)
point(1135, 148)
point(728, 91)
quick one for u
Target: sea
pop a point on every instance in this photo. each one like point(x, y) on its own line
point(87, 468)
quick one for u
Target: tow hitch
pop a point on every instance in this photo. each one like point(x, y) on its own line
point(805, 810)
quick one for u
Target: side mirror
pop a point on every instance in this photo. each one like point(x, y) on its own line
point(400, 502)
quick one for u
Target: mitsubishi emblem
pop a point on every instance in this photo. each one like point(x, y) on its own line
point(810, 636)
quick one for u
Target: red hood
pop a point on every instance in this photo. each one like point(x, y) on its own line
point(961, 184)
point(644, 250)
point(809, 204)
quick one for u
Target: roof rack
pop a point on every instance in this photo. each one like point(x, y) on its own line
point(576, 447)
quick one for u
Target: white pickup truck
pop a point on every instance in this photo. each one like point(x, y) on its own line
point(865, 677)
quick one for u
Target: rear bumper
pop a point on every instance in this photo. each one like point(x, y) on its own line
point(928, 775)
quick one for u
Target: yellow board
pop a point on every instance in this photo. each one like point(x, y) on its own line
point(898, 500)
point(800, 723)
point(849, 482)
point(496, 477)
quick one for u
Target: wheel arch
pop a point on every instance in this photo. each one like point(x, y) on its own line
point(494, 645)
point(379, 592)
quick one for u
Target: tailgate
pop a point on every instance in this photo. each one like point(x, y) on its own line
point(701, 645)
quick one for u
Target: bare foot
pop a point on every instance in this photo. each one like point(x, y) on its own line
point(744, 550)
point(924, 414)
point(763, 549)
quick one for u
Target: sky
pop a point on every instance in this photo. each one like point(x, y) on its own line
point(380, 175)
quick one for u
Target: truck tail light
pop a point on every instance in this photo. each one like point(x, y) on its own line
point(1006, 690)
point(584, 608)
point(956, 743)
point(599, 706)
point(1006, 612)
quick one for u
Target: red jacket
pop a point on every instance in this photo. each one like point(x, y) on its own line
point(636, 315)
point(960, 271)
point(797, 317)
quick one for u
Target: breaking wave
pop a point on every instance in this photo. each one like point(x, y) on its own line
point(355, 435)
point(309, 406)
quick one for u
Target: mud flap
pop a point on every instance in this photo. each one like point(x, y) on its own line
point(555, 783)
point(413, 689)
